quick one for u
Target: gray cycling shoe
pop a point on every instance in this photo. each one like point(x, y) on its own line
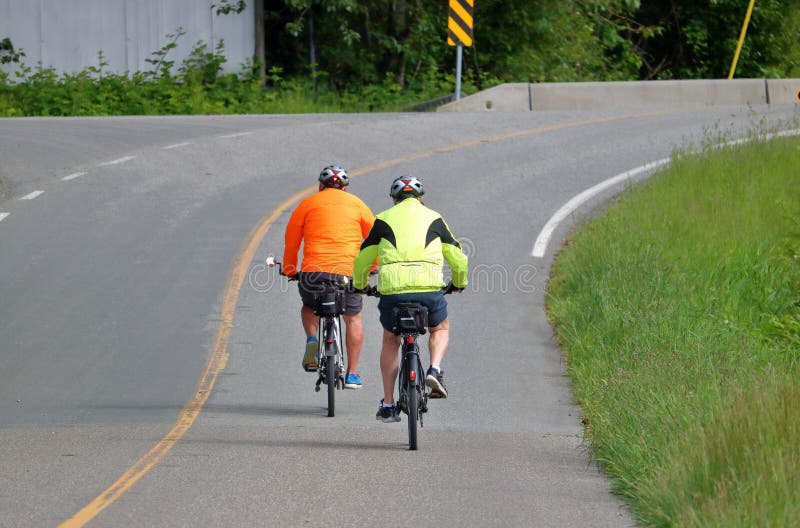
point(434, 379)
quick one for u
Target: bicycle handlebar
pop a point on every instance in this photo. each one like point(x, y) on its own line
point(272, 263)
point(372, 291)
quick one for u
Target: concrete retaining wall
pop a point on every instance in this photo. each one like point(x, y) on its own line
point(520, 97)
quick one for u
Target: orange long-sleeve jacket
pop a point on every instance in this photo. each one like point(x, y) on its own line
point(331, 225)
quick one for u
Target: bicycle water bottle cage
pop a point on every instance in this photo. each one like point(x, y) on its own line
point(410, 318)
point(329, 301)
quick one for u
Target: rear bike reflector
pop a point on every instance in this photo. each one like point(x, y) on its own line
point(409, 339)
point(412, 375)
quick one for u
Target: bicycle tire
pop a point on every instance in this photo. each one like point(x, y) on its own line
point(413, 415)
point(330, 378)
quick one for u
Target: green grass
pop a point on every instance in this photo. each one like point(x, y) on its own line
point(678, 311)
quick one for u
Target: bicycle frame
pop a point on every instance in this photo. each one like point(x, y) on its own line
point(411, 378)
point(330, 358)
point(331, 348)
point(413, 392)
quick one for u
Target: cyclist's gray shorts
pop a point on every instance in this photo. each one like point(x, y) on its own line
point(437, 306)
point(310, 282)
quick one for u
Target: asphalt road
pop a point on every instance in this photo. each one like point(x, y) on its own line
point(113, 286)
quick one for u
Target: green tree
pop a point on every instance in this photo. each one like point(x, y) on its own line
point(345, 45)
point(521, 40)
point(698, 39)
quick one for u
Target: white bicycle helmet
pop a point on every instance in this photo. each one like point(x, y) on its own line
point(405, 186)
point(334, 176)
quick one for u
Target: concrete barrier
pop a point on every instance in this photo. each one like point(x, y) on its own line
point(521, 97)
point(782, 91)
point(510, 97)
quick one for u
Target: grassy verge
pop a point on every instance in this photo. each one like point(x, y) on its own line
point(679, 313)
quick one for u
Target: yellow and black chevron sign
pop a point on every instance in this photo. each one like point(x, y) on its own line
point(459, 22)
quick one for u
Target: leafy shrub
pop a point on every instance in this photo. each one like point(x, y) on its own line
point(198, 86)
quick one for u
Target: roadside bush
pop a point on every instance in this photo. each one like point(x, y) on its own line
point(199, 86)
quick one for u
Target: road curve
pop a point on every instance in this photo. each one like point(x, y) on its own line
point(118, 240)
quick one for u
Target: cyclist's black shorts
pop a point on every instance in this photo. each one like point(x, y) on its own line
point(310, 284)
point(437, 306)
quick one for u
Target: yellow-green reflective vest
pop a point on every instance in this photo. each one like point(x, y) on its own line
point(410, 242)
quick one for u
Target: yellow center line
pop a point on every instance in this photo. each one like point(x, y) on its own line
point(239, 269)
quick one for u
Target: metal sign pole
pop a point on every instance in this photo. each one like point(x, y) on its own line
point(741, 38)
point(458, 72)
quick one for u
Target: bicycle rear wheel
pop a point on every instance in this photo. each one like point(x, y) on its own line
point(330, 379)
point(412, 401)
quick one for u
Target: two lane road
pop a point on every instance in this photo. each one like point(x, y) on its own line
point(116, 290)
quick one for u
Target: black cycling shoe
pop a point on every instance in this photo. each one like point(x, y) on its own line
point(434, 379)
point(387, 414)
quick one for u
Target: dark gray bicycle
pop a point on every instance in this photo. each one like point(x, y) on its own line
point(329, 306)
point(410, 322)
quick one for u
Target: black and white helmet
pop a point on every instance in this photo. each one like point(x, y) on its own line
point(334, 176)
point(405, 186)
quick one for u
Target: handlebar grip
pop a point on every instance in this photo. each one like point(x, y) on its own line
point(450, 288)
point(369, 291)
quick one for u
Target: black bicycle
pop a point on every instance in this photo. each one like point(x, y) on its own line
point(410, 322)
point(329, 306)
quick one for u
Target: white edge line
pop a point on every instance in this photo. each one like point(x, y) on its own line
point(73, 176)
point(237, 134)
point(177, 145)
point(3, 216)
point(116, 161)
point(32, 196)
point(540, 246)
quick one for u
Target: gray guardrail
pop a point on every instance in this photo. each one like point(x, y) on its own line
point(516, 97)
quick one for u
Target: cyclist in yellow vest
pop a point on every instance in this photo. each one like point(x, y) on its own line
point(411, 242)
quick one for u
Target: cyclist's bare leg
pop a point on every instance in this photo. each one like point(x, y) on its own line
point(390, 364)
point(309, 320)
point(439, 338)
point(354, 339)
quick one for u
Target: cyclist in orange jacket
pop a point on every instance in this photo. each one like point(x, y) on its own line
point(331, 225)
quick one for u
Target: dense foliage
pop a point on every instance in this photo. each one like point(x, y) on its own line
point(532, 40)
point(348, 55)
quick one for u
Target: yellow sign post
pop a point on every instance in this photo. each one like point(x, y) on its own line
point(741, 38)
point(459, 32)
